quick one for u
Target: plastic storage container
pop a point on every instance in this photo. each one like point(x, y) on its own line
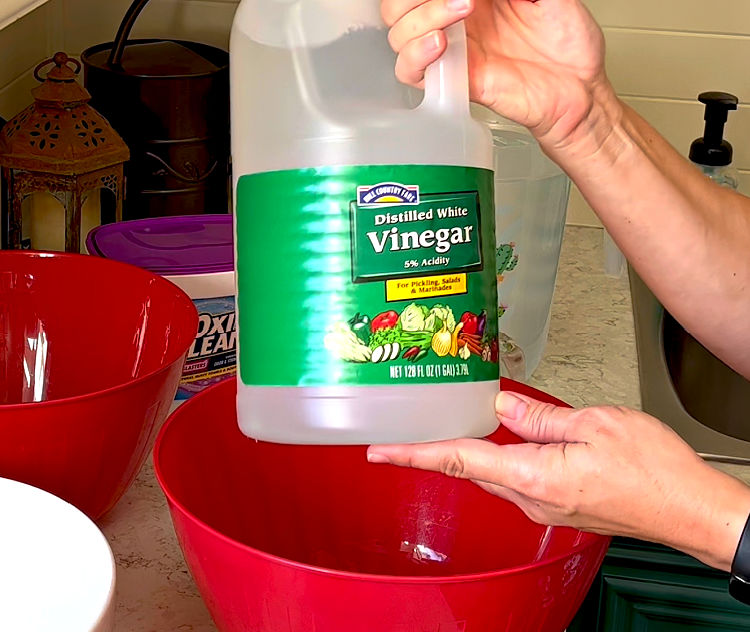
point(531, 202)
point(196, 253)
point(366, 250)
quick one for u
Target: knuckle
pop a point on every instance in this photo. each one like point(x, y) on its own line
point(454, 465)
point(403, 72)
point(602, 421)
point(539, 488)
point(393, 39)
point(408, 70)
point(609, 420)
point(386, 13)
point(539, 417)
point(389, 11)
point(532, 483)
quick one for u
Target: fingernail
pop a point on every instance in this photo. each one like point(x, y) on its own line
point(377, 458)
point(509, 406)
point(457, 5)
point(433, 42)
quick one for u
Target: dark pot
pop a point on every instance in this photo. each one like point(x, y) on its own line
point(169, 100)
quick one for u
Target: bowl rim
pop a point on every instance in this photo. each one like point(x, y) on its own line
point(587, 539)
point(172, 357)
point(40, 498)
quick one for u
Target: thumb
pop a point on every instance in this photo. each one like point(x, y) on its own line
point(537, 422)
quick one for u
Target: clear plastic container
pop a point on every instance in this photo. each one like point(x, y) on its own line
point(725, 176)
point(531, 202)
point(313, 88)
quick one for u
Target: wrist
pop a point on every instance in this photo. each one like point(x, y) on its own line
point(718, 520)
point(600, 135)
point(729, 527)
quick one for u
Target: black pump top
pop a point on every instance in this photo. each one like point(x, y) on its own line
point(712, 149)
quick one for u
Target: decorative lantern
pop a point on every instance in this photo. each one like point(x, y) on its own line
point(60, 145)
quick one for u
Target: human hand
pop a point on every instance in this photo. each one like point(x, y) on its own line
point(537, 62)
point(607, 470)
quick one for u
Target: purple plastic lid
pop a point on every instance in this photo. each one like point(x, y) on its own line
point(179, 245)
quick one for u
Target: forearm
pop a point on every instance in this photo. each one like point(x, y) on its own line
point(687, 237)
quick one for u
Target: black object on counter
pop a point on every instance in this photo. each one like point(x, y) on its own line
point(739, 582)
point(169, 100)
point(712, 150)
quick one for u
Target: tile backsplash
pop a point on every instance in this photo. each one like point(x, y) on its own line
point(660, 55)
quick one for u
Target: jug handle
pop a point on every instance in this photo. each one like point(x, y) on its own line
point(446, 81)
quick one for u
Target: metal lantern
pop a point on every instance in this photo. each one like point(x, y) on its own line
point(60, 145)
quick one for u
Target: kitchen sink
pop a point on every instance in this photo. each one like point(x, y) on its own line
point(688, 388)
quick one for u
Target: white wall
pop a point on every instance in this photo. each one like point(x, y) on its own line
point(73, 25)
point(89, 22)
point(23, 45)
point(661, 54)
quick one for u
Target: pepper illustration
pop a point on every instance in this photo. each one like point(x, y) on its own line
point(360, 325)
point(471, 323)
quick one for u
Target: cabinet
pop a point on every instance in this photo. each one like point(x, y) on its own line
point(644, 587)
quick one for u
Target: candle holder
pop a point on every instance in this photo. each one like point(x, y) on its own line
point(63, 146)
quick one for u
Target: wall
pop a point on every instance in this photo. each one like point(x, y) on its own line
point(89, 22)
point(73, 25)
point(660, 55)
point(23, 45)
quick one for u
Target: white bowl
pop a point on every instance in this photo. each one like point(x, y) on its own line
point(57, 572)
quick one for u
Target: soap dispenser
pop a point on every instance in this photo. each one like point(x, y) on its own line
point(711, 153)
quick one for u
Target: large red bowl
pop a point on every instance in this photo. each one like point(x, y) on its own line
point(91, 353)
point(314, 539)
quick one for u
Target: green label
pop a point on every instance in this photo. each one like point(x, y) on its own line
point(366, 275)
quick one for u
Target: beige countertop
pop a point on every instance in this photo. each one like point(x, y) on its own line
point(590, 359)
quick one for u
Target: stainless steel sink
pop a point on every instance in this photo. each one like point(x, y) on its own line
point(684, 385)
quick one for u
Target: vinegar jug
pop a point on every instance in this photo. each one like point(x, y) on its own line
point(365, 245)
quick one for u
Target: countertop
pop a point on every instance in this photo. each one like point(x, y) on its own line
point(590, 359)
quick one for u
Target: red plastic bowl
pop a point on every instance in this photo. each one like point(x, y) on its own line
point(91, 353)
point(314, 539)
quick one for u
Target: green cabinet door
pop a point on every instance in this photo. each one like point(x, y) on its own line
point(648, 588)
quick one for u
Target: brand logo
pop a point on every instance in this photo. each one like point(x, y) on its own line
point(440, 235)
point(217, 333)
point(388, 194)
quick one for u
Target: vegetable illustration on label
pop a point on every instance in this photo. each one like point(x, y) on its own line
point(411, 335)
point(441, 342)
point(386, 320)
point(360, 325)
point(470, 322)
point(413, 317)
point(345, 344)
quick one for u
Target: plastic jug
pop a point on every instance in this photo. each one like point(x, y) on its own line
point(364, 233)
point(531, 202)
